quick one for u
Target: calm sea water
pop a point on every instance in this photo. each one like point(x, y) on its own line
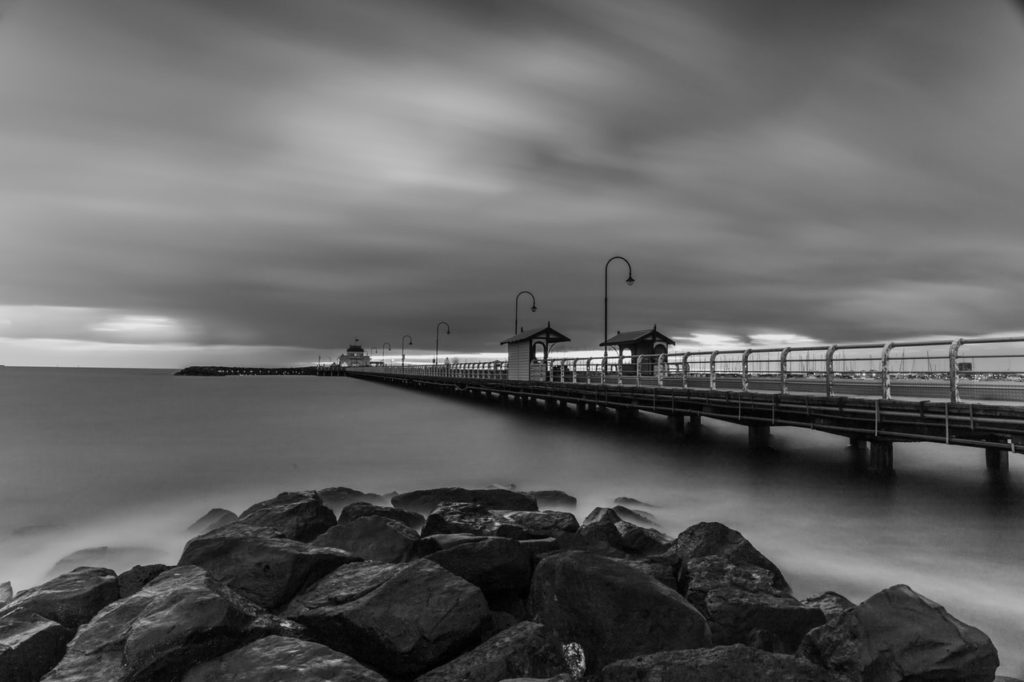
point(129, 458)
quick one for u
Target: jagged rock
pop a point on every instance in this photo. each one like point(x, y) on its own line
point(425, 501)
point(30, 645)
point(523, 649)
point(299, 515)
point(137, 577)
point(716, 539)
point(417, 618)
point(743, 606)
point(465, 517)
point(181, 618)
point(553, 498)
point(260, 564)
point(339, 496)
point(543, 524)
point(374, 538)
point(898, 634)
point(832, 604)
point(109, 557)
point(318, 605)
point(612, 609)
point(357, 510)
point(635, 515)
point(491, 563)
point(604, 525)
point(70, 599)
point(435, 543)
point(275, 658)
point(212, 520)
point(736, 663)
point(6, 592)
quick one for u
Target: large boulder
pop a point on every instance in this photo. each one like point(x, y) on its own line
point(30, 645)
point(357, 510)
point(898, 634)
point(298, 515)
point(543, 524)
point(415, 619)
point(736, 663)
point(606, 526)
point(181, 618)
point(611, 609)
point(275, 658)
point(474, 519)
point(493, 564)
point(374, 538)
point(716, 539)
point(553, 498)
point(137, 577)
point(424, 501)
point(523, 650)
point(115, 558)
point(71, 599)
point(743, 606)
point(832, 604)
point(212, 520)
point(338, 497)
point(260, 564)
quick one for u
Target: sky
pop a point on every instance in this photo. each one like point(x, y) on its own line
point(262, 182)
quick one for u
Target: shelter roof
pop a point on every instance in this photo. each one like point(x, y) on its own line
point(544, 333)
point(629, 338)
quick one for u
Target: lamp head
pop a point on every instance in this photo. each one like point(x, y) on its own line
point(533, 308)
point(630, 281)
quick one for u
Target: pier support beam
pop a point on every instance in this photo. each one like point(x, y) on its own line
point(880, 461)
point(997, 459)
point(758, 435)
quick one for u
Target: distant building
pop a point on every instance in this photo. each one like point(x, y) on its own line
point(528, 353)
point(354, 356)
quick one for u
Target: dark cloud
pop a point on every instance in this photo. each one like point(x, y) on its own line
point(290, 175)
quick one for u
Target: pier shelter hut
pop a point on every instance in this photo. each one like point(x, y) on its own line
point(649, 343)
point(354, 356)
point(528, 353)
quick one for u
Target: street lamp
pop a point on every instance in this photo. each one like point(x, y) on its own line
point(407, 336)
point(437, 336)
point(533, 308)
point(382, 358)
point(629, 282)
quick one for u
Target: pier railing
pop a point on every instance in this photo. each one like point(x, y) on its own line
point(950, 370)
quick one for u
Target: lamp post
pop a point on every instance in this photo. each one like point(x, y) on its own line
point(406, 336)
point(382, 350)
point(629, 282)
point(533, 308)
point(437, 336)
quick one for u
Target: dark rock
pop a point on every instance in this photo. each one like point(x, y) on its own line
point(275, 658)
point(553, 498)
point(212, 520)
point(300, 516)
point(716, 539)
point(897, 634)
point(612, 609)
point(260, 564)
point(523, 649)
point(538, 547)
point(425, 501)
point(418, 618)
point(181, 618)
point(635, 515)
point(360, 509)
point(664, 573)
point(6, 592)
point(319, 604)
point(633, 502)
point(543, 524)
point(108, 557)
point(70, 599)
point(436, 543)
point(464, 517)
point(743, 606)
point(374, 538)
point(491, 563)
point(137, 577)
point(30, 645)
point(339, 496)
point(832, 604)
point(736, 663)
point(604, 525)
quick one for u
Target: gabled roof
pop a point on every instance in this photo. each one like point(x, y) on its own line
point(545, 333)
point(627, 338)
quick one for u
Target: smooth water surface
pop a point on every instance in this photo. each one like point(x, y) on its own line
point(129, 458)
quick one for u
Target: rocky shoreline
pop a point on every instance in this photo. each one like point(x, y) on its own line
point(477, 585)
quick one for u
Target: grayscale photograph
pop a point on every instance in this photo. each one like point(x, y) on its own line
point(508, 340)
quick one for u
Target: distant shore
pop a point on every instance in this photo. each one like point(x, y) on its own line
point(218, 371)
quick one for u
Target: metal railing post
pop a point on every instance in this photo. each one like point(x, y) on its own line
point(886, 379)
point(830, 374)
point(686, 370)
point(954, 370)
point(712, 379)
point(783, 370)
point(746, 370)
